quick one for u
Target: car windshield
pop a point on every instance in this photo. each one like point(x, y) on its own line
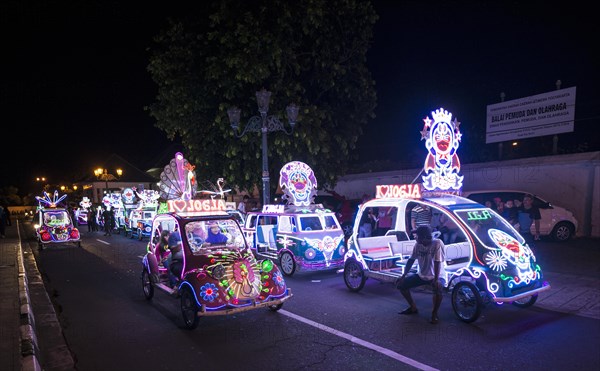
point(484, 223)
point(56, 218)
point(206, 235)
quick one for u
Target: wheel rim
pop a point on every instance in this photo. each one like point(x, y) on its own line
point(465, 301)
point(563, 233)
point(353, 274)
point(287, 263)
point(189, 308)
point(146, 284)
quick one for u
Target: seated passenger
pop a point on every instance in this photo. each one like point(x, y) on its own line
point(161, 250)
point(175, 259)
point(197, 236)
point(215, 236)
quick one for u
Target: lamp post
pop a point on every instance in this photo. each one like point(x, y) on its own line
point(263, 124)
point(102, 174)
point(42, 180)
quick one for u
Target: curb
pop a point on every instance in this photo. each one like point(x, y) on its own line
point(32, 294)
point(28, 338)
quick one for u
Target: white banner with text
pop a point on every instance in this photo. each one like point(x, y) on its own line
point(534, 116)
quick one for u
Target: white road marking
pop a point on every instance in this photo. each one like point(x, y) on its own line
point(104, 242)
point(364, 343)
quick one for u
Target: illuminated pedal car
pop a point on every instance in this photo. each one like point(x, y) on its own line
point(54, 225)
point(217, 278)
point(140, 223)
point(487, 262)
point(299, 238)
point(301, 235)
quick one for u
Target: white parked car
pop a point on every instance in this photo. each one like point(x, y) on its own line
point(557, 222)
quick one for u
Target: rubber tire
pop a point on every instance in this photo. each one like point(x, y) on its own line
point(287, 263)
point(147, 286)
point(354, 276)
point(465, 294)
point(276, 307)
point(525, 302)
point(189, 309)
point(562, 232)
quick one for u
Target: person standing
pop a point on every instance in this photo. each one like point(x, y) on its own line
point(528, 215)
point(242, 205)
point(420, 215)
point(7, 212)
point(430, 254)
point(2, 222)
point(107, 218)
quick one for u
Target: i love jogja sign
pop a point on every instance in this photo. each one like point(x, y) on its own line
point(398, 191)
point(190, 206)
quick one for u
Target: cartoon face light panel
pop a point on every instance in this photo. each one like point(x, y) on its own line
point(513, 252)
point(298, 182)
point(442, 137)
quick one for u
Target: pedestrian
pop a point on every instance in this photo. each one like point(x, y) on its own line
point(7, 212)
point(2, 222)
point(430, 254)
point(107, 218)
point(527, 215)
point(242, 205)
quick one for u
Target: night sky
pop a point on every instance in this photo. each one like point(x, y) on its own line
point(77, 69)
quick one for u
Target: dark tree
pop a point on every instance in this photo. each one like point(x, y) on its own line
point(311, 53)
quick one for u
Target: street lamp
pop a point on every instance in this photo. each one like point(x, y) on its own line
point(102, 174)
point(43, 181)
point(263, 124)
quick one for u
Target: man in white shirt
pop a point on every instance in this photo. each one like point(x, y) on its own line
point(242, 205)
point(430, 253)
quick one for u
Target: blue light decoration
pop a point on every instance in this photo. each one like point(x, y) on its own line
point(442, 166)
point(50, 202)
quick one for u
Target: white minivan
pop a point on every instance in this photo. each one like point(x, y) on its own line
point(557, 222)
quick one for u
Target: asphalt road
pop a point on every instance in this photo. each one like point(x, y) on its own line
point(108, 324)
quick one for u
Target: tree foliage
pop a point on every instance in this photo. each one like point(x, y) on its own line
point(311, 53)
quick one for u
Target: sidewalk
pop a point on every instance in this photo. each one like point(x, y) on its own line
point(26, 312)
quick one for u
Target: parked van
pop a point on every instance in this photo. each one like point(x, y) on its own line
point(557, 222)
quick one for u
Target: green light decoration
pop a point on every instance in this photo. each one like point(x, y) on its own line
point(163, 208)
point(267, 265)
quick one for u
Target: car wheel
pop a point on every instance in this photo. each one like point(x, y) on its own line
point(354, 276)
point(147, 285)
point(466, 301)
point(347, 228)
point(189, 309)
point(562, 232)
point(525, 302)
point(287, 263)
point(275, 307)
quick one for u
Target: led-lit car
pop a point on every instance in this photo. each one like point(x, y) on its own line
point(217, 278)
point(53, 224)
point(488, 262)
point(140, 223)
point(301, 235)
point(300, 239)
